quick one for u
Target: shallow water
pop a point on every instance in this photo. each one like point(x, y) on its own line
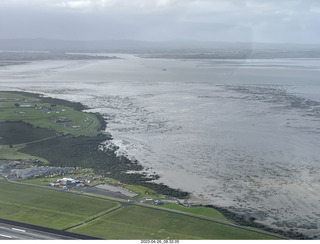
point(236, 133)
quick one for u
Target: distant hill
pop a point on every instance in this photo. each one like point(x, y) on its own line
point(198, 49)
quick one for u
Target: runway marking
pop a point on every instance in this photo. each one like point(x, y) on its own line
point(6, 236)
point(18, 229)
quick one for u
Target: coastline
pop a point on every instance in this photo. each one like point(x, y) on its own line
point(192, 201)
point(196, 201)
point(56, 149)
point(225, 195)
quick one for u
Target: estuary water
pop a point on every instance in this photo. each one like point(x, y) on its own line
point(242, 134)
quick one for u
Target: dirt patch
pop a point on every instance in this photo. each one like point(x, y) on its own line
point(116, 189)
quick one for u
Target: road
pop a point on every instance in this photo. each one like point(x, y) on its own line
point(12, 232)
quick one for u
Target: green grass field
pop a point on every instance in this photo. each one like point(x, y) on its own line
point(60, 210)
point(48, 208)
point(199, 211)
point(7, 152)
point(135, 222)
point(56, 117)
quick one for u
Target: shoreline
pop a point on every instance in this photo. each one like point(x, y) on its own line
point(122, 174)
point(196, 201)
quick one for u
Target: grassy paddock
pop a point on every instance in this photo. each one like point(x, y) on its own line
point(135, 222)
point(43, 114)
point(6, 152)
point(202, 211)
point(48, 208)
point(61, 210)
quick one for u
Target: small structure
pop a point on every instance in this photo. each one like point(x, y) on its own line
point(68, 183)
point(158, 202)
point(54, 184)
point(151, 201)
point(86, 120)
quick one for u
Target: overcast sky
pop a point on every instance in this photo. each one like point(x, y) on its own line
point(293, 21)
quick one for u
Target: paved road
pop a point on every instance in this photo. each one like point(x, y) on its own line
point(12, 232)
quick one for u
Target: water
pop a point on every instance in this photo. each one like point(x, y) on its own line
point(243, 134)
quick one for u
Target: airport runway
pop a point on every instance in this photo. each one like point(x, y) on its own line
point(11, 232)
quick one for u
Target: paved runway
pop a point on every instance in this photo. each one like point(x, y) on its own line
point(11, 232)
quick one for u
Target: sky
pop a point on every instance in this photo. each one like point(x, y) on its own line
point(268, 21)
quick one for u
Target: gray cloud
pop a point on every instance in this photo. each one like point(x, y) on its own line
point(213, 20)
